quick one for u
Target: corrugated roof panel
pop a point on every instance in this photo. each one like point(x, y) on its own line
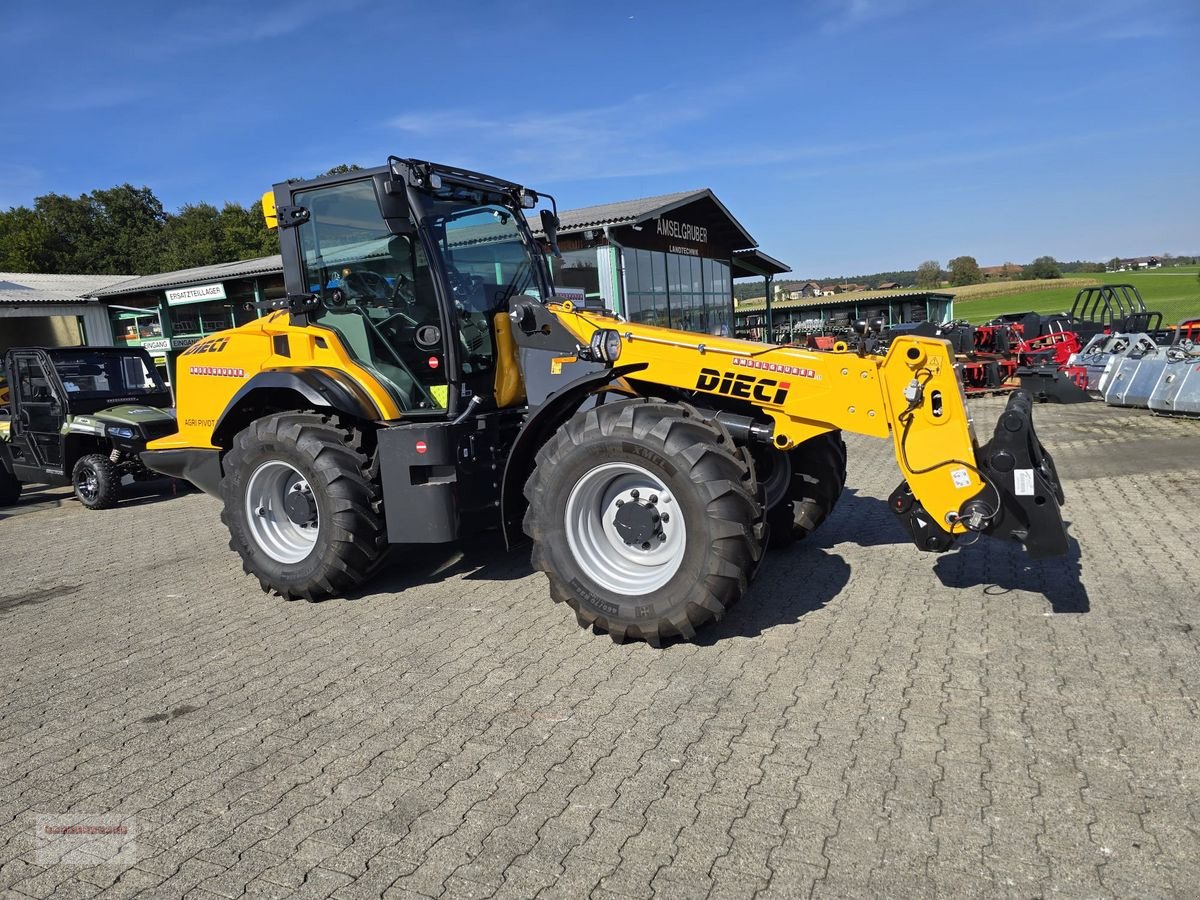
point(245, 268)
point(24, 287)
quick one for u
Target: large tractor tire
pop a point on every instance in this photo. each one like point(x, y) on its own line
point(10, 488)
point(302, 505)
point(802, 486)
point(645, 517)
point(97, 482)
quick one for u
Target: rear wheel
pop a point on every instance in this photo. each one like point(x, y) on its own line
point(302, 505)
point(97, 482)
point(645, 518)
point(802, 486)
point(10, 488)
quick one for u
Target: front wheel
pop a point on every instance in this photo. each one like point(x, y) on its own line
point(302, 506)
point(645, 518)
point(97, 482)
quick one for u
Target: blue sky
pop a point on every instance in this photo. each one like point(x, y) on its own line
point(848, 136)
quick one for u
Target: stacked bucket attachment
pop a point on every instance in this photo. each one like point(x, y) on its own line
point(1136, 370)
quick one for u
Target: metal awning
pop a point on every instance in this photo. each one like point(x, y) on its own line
point(756, 264)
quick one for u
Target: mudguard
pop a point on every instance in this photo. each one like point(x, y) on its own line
point(322, 387)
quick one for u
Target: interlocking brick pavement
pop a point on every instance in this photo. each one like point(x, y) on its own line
point(870, 721)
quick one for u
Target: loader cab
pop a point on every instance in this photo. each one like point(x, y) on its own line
point(410, 273)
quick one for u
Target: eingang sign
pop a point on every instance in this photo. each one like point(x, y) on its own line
point(198, 294)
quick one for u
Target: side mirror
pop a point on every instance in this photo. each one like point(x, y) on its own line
point(393, 203)
point(550, 226)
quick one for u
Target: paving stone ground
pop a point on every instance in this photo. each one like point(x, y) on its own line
point(870, 721)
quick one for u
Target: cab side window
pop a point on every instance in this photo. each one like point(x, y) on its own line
point(32, 384)
point(376, 292)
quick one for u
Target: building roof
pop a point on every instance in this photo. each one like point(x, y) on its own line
point(264, 265)
point(23, 287)
point(632, 212)
point(758, 303)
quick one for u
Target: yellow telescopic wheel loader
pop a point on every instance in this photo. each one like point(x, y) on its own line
point(420, 382)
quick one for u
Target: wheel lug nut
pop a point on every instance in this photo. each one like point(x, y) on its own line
point(646, 546)
point(620, 503)
point(666, 517)
point(654, 498)
point(634, 494)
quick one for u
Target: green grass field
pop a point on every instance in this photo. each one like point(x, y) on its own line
point(1174, 292)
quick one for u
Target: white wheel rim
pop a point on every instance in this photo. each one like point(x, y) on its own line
point(271, 528)
point(598, 547)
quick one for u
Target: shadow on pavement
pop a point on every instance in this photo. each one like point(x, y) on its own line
point(1003, 567)
point(791, 584)
point(481, 557)
point(860, 519)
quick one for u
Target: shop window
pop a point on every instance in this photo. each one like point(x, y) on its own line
point(685, 292)
point(579, 269)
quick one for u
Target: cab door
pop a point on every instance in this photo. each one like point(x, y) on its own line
point(37, 414)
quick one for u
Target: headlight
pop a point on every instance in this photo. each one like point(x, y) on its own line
point(606, 345)
point(121, 431)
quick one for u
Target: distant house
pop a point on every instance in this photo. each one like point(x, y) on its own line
point(995, 273)
point(808, 289)
point(1137, 262)
point(889, 286)
point(829, 290)
point(850, 287)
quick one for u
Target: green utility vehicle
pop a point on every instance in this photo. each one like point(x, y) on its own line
point(79, 416)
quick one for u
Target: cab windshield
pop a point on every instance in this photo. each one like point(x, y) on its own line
point(486, 260)
point(94, 374)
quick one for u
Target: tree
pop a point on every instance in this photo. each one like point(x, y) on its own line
point(129, 224)
point(964, 270)
point(192, 237)
point(24, 241)
point(929, 274)
point(244, 233)
point(1043, 267)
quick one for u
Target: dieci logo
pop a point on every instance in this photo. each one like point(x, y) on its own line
point(764, 390)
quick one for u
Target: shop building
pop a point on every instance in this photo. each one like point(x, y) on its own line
point(668, 260)
point(168, 312)
point(53, 310)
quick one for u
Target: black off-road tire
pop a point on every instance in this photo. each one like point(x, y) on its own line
point(10, 488)
point(815, 478)
point(341, 469)
point(713, 491)
point(96, 481)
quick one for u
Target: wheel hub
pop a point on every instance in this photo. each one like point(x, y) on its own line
point(625, 529)
point(638, 521)
point(281, 512)
point(300, 506)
